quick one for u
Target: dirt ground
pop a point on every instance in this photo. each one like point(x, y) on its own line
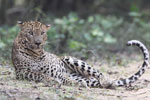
point(12, 89)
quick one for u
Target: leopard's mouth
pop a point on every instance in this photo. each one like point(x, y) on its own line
point(36, 47)
point(34, 51)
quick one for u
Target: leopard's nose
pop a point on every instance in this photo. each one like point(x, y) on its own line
point(37, 43)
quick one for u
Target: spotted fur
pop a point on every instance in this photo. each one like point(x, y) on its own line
point(32, 63)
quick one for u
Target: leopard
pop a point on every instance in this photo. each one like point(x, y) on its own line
point(31, 62)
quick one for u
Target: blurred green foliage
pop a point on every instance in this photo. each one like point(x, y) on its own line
point(77, 36)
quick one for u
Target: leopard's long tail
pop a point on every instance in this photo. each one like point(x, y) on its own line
point(141, 71)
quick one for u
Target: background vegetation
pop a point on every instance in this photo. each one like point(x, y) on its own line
point(93, 30)
point(81, 28)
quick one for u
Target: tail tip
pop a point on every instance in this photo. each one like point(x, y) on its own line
point(129, 43)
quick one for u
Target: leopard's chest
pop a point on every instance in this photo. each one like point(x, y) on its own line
point(49, 64)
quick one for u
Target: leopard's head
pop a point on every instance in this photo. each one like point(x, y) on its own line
point(33, 34)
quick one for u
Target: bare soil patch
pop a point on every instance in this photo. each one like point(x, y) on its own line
point(12, 89)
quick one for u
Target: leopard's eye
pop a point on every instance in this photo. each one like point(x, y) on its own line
point(42, 33)
point(30, 32)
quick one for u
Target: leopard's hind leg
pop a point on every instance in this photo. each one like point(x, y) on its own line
point(83, 69)
point(85, 81)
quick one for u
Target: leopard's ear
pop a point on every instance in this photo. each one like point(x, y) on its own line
point(20, 23)
point(48, 26)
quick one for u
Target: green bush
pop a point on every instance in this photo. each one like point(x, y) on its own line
point(77, 36)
